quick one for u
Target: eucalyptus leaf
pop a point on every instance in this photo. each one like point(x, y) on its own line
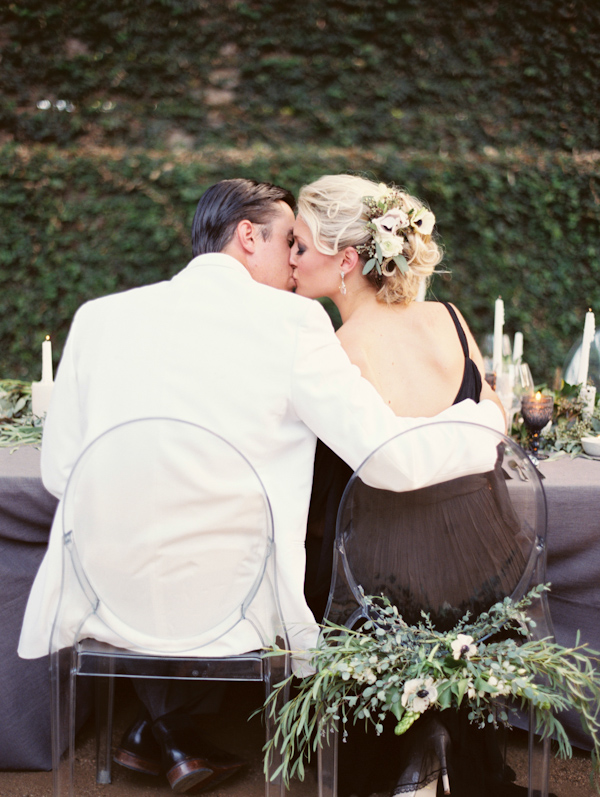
point(401, 262)
point(369, 265)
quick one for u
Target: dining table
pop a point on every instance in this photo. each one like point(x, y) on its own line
point(572, 489)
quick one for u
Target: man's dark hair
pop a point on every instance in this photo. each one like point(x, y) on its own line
point(225, 204)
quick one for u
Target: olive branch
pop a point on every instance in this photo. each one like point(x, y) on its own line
point(388, 667)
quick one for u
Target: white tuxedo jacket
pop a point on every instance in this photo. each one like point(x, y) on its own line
point(259, 366)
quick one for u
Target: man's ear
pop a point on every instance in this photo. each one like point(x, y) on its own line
point(350, 261)
point(246, 235)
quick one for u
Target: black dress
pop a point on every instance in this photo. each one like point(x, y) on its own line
point(369, 763)
point(331, 475)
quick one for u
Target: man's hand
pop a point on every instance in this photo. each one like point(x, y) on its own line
point(488, 393)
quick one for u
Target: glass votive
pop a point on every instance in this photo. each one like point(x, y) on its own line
point(536, 411)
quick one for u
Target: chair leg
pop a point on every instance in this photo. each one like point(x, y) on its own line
point(62, 692)
point(539, 762)
point(276, 668)
point(104, 702)
point(539, 749)
point(328, 762)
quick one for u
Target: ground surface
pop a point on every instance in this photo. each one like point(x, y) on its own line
point(232, 731)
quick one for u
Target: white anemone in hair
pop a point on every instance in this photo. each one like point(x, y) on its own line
point(423, 221)
point(393, 220)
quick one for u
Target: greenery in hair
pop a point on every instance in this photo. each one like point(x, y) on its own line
point(390, 225)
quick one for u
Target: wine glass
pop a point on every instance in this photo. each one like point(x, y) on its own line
point(523, 385)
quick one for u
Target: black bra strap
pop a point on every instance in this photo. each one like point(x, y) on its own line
point(461, 333)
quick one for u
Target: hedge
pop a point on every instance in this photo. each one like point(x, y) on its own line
point(446, 75)
point(83, 223)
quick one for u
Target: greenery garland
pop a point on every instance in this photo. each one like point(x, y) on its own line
point(568, 423)
point(389, 667)
point(18, 427)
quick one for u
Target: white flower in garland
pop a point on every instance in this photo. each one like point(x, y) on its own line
point(501, 686)
point(419, 694)
point(463, 647)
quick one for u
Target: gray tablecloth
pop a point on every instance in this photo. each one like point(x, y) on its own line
point(26, 511)
point(572, 489)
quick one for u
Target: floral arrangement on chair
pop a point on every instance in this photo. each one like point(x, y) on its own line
point(389, 667)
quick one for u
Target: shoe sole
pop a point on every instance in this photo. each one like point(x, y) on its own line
point(187, 774)
point(134, 762)
point(219, 776)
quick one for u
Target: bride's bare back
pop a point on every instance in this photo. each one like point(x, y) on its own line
point(410, 353)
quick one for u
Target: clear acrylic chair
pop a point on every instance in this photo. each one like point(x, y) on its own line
point(168, 572)
point(463, 542)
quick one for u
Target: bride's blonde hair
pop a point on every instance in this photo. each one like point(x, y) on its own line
point(334, 211)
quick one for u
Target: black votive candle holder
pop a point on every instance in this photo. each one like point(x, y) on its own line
point(536, 411)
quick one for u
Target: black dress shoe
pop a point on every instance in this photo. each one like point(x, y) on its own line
point(138, 749)
point(189, 760)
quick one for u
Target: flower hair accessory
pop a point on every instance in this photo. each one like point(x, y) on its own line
point(389, 225)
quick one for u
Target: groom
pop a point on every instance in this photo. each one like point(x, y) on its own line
point(260, 366)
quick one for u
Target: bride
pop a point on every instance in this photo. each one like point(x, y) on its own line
point(369, 248)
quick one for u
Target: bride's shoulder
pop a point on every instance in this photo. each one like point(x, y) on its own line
point(437, 311)
point(353, 339)
point(350, 333)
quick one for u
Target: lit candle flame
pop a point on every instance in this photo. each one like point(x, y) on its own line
point(47, 337)
point(538, 396)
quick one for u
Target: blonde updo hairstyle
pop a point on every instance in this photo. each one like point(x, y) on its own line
point(333, 209)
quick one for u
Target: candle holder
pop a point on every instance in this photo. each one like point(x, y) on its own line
point(536, 411)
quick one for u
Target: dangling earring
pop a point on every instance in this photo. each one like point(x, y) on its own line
point(343, 285)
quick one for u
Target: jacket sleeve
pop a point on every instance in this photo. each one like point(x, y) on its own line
point(345, 411)
point(63, 428)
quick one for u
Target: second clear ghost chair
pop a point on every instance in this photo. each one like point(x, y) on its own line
point(168, 572)
point(462, 538)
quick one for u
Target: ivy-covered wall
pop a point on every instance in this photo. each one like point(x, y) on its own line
point(76, 225)
point(116, 114)
point(443, 75)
